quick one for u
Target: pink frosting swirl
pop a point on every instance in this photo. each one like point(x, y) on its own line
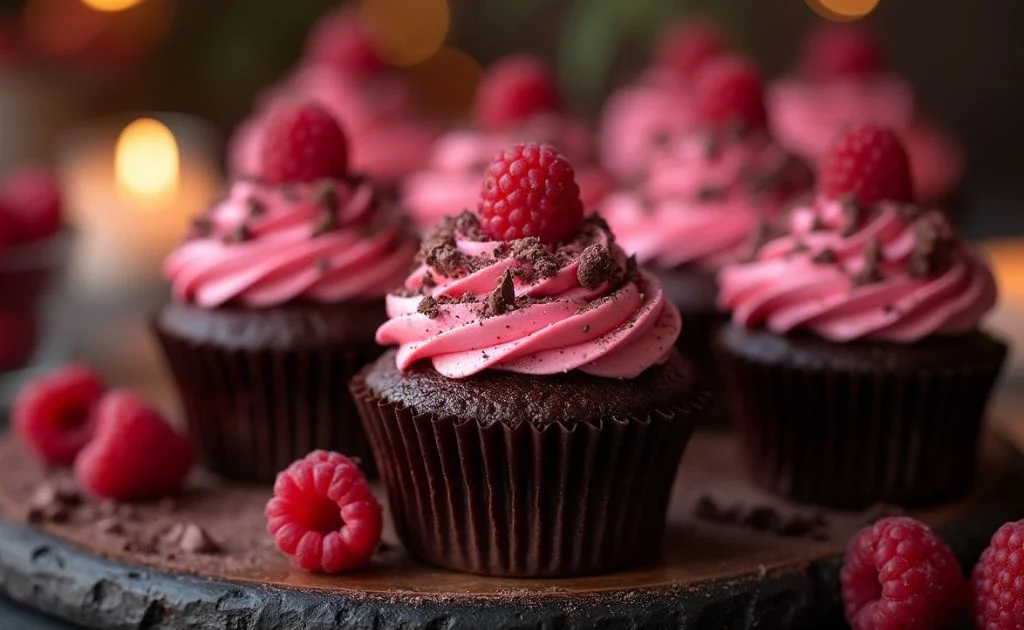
point(267, 245)
point(459, 158)
point(893, 273)
point(703, 198)
point(476, 304)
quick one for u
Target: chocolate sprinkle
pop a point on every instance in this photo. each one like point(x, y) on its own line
point(428, 306)
point(871, 272)
point(596, 266)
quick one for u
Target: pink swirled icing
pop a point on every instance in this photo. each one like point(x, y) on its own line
point(898, 275)
point(699, 206)
point(267, 245)
point(614, 325)
point(459, 158)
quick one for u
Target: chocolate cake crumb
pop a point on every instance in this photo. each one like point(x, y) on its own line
point(202, 226)
point(255, 207)
point(502, 298)
point(468, 224)
point(826, 256)
point(191, 538)
point(596, 266)
point(110, 526)
point(934, 246)
point(52, 502)
point(761, 234)
point(871, 272)
point(327, 222)
point(327, 197)
point(428, 280)
point(853, 215)
point(763, 518)
point(428, 306)
point(241, 234)
point(531, 251)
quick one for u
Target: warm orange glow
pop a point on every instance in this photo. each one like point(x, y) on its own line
point(446, 83)
point(407, 31)
point(843, 10)
point(146, 160)
point(57, 27)
point(111, 5)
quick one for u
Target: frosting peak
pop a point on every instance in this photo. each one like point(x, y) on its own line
point(887, 273)
point(266, 245)
point(476, 304)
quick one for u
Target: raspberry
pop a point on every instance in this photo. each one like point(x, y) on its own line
point(998, 581)
point(53, 415)
point(729, 92)
point(530, 190)
point(685, 47)
point(514, 89)
point(899, 574)
point(134, 454)
point(841, 50)
point(868, 162)
point(302, 143)
point(341, 40)
point(323, 514)
point(33, 203)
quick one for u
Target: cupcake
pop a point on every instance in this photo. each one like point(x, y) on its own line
point(856, 366)
point(531, 420)
point(345, 73)
point(842, 80)
point(712, 191)
point(277, 293)
point(517, 101)
point(638, 118)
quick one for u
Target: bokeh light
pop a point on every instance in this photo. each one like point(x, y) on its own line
point(407, 32)
point(146, 159)
point(446, 83)
point(843, 10)
point(111, 5)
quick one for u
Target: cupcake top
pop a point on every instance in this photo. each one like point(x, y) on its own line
point(709, 191)
point(528, 285)
point(305, 231)
point(517, 101)
point(862, 262)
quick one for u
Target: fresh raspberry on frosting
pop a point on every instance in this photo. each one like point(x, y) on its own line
point(730, 92)
point(841, 50)
point(32, 201)
point(302, 143)
point(687, 46)
point(343, 42)
point(53, 415)
point(899, 574)
point(869, 163)
point(998, 581)
point(514, 89)
point(323, 514)
point(530, 190)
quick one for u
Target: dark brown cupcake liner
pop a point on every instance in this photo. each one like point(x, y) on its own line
point(848, 437)
point(526, 500)
point(252, 412)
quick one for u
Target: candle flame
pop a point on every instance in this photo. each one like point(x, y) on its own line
point(146, 160)
point(111, 5)
point(843, 10)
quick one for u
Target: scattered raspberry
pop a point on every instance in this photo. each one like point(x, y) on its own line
point(323, 514)
point(54, 414)
point(342, 41)
point(687, 46)
point(841, 50)
point(998, 581)
point(868, 162)
point(18, 336)
point(730, 92)
point(530, 190)
point(514, 89)
point(898, 574)
point(134, 454)
point(33, 203)
point(302, 143)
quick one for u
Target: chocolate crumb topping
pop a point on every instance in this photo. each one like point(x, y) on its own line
point(202, 226)
point(531, 251)
point(428, 280)
point(761, 234)
point(327, 197)
point(191, 538)
point(468, 224)
point(853, 215)
point(709, 192)
point(428, 306)
point(502, 298)
point(240, 234)
point(255, 207)
point(596, 266)
point(763, 518)
point(826, 256)
point(934, 246)
point(325, 224)
point(871, 272)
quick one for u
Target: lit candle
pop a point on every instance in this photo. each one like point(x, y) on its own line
point(131, 191)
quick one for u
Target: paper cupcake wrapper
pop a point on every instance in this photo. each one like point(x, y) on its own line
point(695, 343)
point(251, 413)
point(526, 501)
point(850, 439)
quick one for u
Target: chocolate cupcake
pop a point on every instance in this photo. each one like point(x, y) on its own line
point(855, 361)
point(531, 421)
point(706, 197)
point(277, 293)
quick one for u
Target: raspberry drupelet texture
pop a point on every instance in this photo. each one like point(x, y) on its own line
point(54, 415)
point(869, 163)
point(302, 143)
point(513, 90)
point(730, 92)
point(530, 190)
point(323, 514)
point(998, 581)
point(899, 575)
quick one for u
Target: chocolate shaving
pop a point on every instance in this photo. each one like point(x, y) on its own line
point(502, 298)
point(428, 306)
point(596, 266)
point(327, 197)
point(934, 246)
point(826, 256)
point(240, 234)
point(853, 215)
point(256, 207)
point(871, 272)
